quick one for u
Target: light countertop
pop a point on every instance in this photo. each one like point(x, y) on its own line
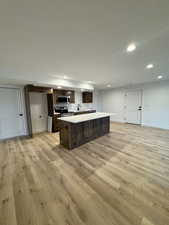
point(85, 117)
point(56, 113)
point(81, 110)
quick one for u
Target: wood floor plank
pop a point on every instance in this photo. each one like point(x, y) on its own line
point(7, 201)
point(119, 179)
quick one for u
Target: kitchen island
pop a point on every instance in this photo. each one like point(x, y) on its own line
point(80, 129)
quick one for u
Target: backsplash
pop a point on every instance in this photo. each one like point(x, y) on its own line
point(73, 107)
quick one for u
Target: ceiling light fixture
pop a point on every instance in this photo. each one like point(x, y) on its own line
point(59, 87)
point(149, 66)
point(108, 85)
point(160, 77)
point(131, 47)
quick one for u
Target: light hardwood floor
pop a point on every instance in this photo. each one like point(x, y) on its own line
point(119, 179)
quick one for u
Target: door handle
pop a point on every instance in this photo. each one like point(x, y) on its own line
point(20, 114)
point(139, 108)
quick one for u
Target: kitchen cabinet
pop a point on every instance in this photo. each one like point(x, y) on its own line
point(84, 112)
point(75, 131)
point(55, 122)
point(87, 97)
point(71, 94)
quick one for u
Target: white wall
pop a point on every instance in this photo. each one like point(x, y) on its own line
point(156, 105)
point(155, 101)
point(113, 101)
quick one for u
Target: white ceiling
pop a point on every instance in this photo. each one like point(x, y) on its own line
point(41, 40)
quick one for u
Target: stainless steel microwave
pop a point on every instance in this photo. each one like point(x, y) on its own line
point(63, 99)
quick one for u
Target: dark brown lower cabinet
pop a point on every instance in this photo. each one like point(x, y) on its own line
point(73, 135)
point(84, 112)
point(55, 123)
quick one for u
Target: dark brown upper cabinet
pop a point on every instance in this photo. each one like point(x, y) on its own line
point(32, 88)
point(58, 93)
point(87, 97)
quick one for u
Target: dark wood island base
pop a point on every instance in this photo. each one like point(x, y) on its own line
point(73, 135)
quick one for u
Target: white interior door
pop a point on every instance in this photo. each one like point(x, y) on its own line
point(11, 113)
point(39, 114)
point(133, 107)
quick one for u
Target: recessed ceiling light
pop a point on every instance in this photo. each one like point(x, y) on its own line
point(160, 77)
point(108, 85)
point(131, 47)
point(149, 66)
point(59, 87)
point(90, 82)
point(65, 77)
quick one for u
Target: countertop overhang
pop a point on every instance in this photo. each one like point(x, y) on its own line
point(85, 117)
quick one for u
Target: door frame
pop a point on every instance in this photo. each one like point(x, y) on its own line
point(44, 113)
point(141, 103)
point(31, 88)
point(21, 105)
